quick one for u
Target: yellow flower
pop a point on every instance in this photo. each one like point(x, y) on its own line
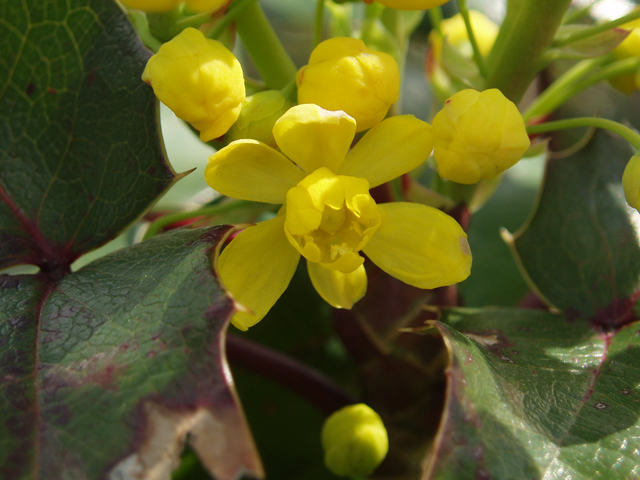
point(354, 440)
point(628, 48)
point(478, 135)
point(631, 182)
point(411, 4)
point(343, 74)
point(155, 6)
point(200, 80)
point(328, 214)
point(259, 113)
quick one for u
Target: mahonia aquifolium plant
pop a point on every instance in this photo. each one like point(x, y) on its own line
point(355, 441)
point(328, 215)
point(343, 74)
point(200, 80)
point(478, 135)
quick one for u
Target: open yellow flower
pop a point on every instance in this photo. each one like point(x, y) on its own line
point(328, 215)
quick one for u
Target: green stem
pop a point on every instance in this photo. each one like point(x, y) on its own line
point(546, 101)
point(477, 56)
point(615, 69)
point(319, 23)
point(235, 10)
point(195, 21)
point(271, 59)
point(435, 16)
point(157, 225)
point(527, 31)
point(141, 24)
point(578, 14)
point(625, 132)
point(568, 38)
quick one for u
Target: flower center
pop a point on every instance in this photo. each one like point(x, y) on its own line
point(330, 218)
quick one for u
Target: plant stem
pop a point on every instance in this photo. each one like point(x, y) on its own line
point(546, 102)
point(477, 56)
point(234, 11)
point(272, 60)
point(625, 132)
point(578, 14)
point(587, 32)
point(157, 225)
point(310, 384)
point(141, 23)
point(615, 69)
point(319, 23)
point(527, 31)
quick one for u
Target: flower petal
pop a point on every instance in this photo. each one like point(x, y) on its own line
point(393, 147)
point(314, 137)
point(251, 170)
point(256, 268)
point(420, 245)
point(340, 290)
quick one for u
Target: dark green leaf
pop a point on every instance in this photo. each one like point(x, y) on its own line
point(580, 250)
point(532, 395)
point(80, 152)
point(108, 372)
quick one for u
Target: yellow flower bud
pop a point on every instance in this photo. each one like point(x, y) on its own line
point(354, 440)
point(455, 32)
point(343, 74)
point(631, 181)
point(200, 6)
point(628, 48)
point(478, 135)
point(412, 4)
point(200, 80)
point(258, 116)
point(155, 6)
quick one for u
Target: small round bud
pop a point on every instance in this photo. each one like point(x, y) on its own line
point(258, 116)
point(455, 32)
point(478, 135)
point(412, 4)
point(354, 440)
point(343, 74)
point(631, 181)
point(153, 6)
point(200, 80)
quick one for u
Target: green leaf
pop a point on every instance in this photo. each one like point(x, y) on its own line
point(593, 46)
point(80, 151)
point(532, 395)
point(109, 370)
point(580, 250)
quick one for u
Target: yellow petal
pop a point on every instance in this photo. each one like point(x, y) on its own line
point(251, 170)
point(420, 245)
point(340, 290)
point(393, 147)
point(256, 268)
point(314, 137)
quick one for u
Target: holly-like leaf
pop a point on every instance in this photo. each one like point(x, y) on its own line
point(580, 250)
point(107, 372)
point(80, 152)
point(532, 395)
